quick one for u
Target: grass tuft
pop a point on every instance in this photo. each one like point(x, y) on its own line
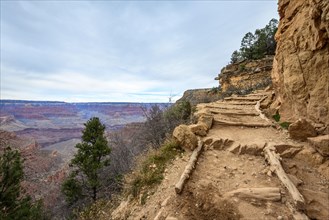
point(152, 167)
point(285, 124)
point(276, 117)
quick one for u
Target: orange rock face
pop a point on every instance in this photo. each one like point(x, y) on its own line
point(300, 72)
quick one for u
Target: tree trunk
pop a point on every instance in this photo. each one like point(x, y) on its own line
point(94, 193)
point(274, 161)
point(189, 168)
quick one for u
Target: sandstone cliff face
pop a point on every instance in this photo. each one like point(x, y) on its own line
point(246, 75)
point(300, 73)
point(196, 96)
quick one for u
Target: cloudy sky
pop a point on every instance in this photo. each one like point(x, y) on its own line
point(136, 51)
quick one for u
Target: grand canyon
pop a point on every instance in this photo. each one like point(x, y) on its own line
point(46, 133)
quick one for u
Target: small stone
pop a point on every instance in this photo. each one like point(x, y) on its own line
point(279, 217)
point(269, 173)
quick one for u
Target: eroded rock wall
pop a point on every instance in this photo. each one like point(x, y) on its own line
point(246, 75)
point(300, 72)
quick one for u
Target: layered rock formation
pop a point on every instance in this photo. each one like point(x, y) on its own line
point(196, 96)
point(246, 75)
point(301, 65)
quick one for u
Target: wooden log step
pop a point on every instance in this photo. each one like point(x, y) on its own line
point(275, 166)
point(237, 103)
point(189, 167)
point(243, 98)
point(266, 193)
point(245, 124)
point(236, 113)
point(231, 105)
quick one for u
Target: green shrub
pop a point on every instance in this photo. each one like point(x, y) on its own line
point(276, 117)
point(285, 124)
point(242, 67)
point(152, 166)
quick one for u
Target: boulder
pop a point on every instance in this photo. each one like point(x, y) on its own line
point(185, 137)
point(301, 130)
point(207, 120)
point(317, 204)
point(309, 155)
point(320, 144)
point(199, 129)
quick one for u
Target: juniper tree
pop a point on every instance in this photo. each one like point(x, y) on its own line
point(92, 156)
point(13, 204)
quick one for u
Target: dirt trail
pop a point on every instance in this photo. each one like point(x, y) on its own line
point(232, 167)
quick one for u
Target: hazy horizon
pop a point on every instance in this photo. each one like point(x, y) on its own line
point(113, 51)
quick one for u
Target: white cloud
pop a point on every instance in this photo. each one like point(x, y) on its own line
point(119, 51)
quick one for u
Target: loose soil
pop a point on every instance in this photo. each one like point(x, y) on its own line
point(238, 162)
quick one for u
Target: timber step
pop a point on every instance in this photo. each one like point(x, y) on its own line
point(239, 98)
point(232, 113)
point(245, 124)
point(235, 103)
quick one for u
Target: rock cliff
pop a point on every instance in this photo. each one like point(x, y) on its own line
point(196, 96)
point(300, 73)
point(246, 75)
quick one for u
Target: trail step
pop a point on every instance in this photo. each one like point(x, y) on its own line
point(231, 123)
point(239, 98)
point(236, 103)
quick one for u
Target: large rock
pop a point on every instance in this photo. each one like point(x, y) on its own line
point(207, 120)
point(301, 130)
point(199, 129)
point(185, 137)
point(321, 144)
point(300, 73)
point(317, 204)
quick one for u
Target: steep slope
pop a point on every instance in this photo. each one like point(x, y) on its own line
point(232, 179)
point(301, 65)
point(43, 170)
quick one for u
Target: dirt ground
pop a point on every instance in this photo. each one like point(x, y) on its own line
point(233, 159)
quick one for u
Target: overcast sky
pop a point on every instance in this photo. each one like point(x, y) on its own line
point(136, 51)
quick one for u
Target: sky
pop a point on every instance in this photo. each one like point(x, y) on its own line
point(120, 51)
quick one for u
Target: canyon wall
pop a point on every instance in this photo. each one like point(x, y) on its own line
point(300, 72)
point(246, 75)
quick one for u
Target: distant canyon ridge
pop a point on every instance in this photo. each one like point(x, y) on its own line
point(51, 123)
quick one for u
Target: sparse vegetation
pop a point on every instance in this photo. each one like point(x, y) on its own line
point(151, 167)
point(285, 124)
point(276, 117)
point(242, 67)
point(215, 90)
point(14, 204)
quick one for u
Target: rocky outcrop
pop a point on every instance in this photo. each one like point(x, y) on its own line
point(300, 73)
point(196, 96)
point(185, 137)
point(246, 75)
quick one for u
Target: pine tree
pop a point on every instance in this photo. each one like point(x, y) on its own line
point(91, 157)
point(13, 205)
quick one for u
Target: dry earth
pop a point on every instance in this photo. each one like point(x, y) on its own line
point(232, 179)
